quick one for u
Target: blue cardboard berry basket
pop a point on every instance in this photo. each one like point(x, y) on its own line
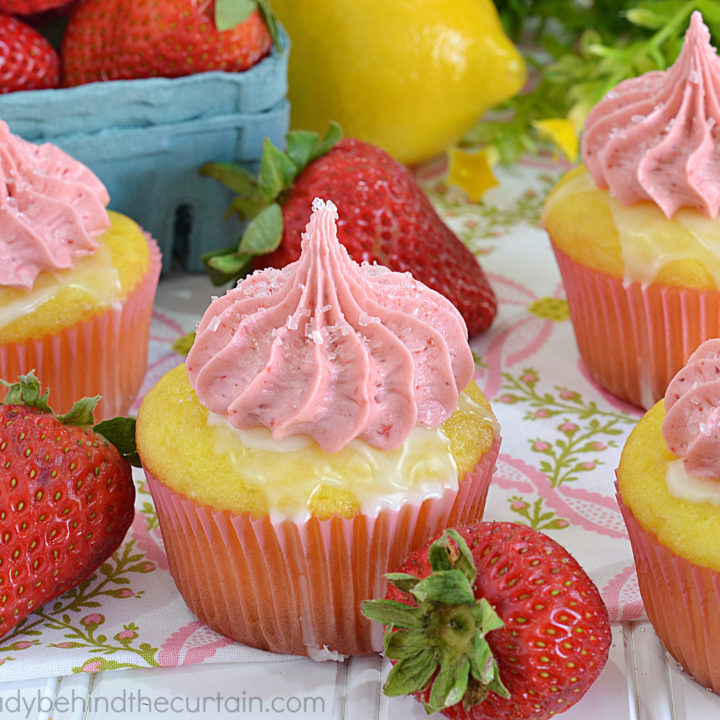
point(146, 140)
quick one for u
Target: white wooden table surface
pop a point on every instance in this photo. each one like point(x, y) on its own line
point(640, 682)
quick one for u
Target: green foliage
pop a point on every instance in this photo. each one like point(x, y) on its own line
point(543, 18)
point(577, 52)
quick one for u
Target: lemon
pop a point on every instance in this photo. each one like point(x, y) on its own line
point(411, 76)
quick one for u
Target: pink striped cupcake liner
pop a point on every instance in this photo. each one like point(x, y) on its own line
point(296, 587)
point(682, 601)
point(634, 337)
point(105, 355)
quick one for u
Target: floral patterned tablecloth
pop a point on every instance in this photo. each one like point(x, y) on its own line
point(562, 438)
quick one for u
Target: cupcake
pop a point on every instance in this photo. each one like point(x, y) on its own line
point(669, 494)
point(77, 282)
point(324, 425)
point(635, 229)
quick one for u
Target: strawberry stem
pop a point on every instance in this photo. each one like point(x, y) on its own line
point(230, 13)
point(81, 412)
point(120, 431)
point(26, 391)
point(439, 640)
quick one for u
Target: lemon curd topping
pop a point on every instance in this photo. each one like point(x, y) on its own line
point(92, 275)
point(642, 244)
point(96, 282)
point(294, 469)
point(422, 466)
point(205, 458)
point(682, 484)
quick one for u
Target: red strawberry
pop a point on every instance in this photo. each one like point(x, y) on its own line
point(384, 216)
point(516, 627)
point(66, 497)
point(27, 60)
point(30, 7)
point(116, 39)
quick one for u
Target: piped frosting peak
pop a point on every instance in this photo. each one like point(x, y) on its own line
point(331, 349)
point(52, 209)
point(657, 137)
point(692, 412)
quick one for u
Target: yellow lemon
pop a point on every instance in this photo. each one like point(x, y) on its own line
point(411, 76)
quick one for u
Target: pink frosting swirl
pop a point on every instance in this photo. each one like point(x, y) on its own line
point(657, 137)
point(331, 349)
point(692, 412)
point(52, 209)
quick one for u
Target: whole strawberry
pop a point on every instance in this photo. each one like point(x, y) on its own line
point(495, 621)
point(116, 39)
point(66, 497)
point(384, 217)
point(27, 60)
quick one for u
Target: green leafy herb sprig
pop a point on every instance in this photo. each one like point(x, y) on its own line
point(573, 67)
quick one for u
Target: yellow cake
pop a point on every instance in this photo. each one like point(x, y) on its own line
point(212, 466)
point(688, 529)
point(636, 244)
point(63, 298)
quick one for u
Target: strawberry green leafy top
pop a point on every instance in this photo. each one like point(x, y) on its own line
point(258, 199)
point(446, 630)
point(119, 431)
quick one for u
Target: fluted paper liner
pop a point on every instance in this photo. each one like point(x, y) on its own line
point(682, 601)
point(634, 337)
point(296, 588)
point(104, 355)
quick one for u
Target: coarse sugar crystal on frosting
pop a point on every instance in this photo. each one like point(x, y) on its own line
point(657, 137)
point(330, 349)
point(52, 210)
point(692, 425)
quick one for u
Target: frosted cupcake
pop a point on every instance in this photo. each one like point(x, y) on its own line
point(324, 425)
point(669, 493)
point(635, 228)
point(76, 283)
